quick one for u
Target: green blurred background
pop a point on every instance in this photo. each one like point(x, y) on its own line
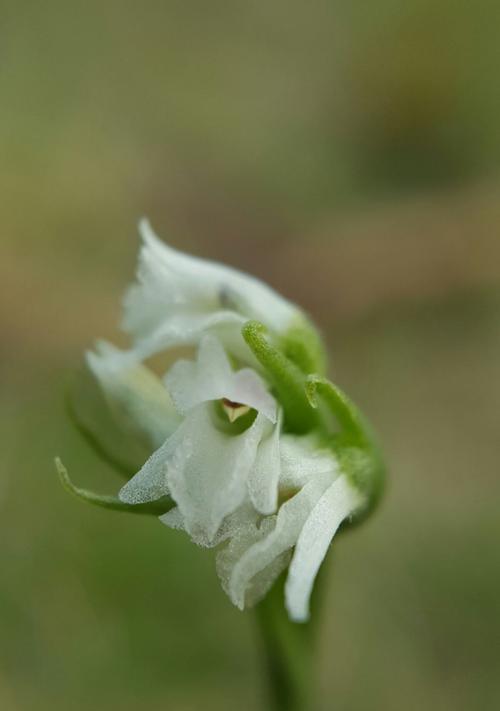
point(346, 152)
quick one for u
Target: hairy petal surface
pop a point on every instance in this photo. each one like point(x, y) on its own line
point(244, 518)
point(243, 537)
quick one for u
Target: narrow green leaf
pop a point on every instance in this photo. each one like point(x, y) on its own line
point(153, 508)
point(288, 649)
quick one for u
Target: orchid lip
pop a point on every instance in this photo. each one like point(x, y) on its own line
point(234, 410)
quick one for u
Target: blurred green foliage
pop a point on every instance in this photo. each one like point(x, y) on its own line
point(239, 126)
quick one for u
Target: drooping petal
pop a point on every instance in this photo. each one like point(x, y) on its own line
point(288, 523)
point(204, 470)
point(339, 501)
point(171, 283)
point(211, 377)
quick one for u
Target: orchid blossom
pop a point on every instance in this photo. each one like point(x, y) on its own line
point(245, 446)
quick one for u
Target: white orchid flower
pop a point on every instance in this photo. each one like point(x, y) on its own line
point(248, 448)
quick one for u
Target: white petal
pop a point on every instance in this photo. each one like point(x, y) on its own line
point(337, 503)
point(289, 521)
point(245, 517)
point(203, 469)
point(211, 377)
point(301, 458)
point(173, 519)
point(207, 476)
point(264, 476)
point(138, 398)
point(208, 378)
point(243, 537)
point(170, 281)
point(249, 389)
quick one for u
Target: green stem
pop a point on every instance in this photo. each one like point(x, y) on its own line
point(288, 649)
point(288, 656)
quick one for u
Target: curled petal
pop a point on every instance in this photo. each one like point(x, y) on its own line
point(339, 501)
point(283, 536)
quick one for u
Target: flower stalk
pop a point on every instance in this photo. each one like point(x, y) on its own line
point(288, 651)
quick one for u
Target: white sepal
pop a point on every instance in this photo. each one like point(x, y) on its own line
point(179, 297)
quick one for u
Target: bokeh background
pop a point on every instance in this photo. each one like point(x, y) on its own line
point(347, 153)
